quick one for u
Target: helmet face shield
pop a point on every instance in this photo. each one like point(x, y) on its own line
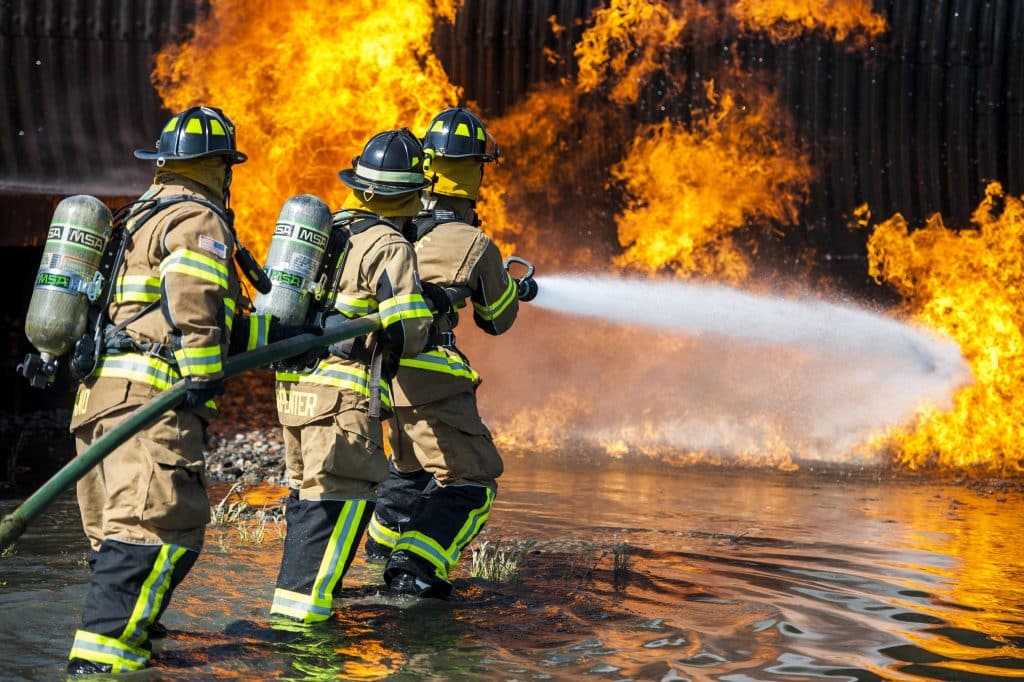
point(196, 133)
point(391, 164)
point(458, 133)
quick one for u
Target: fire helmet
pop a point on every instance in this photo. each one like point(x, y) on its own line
point(458, 133)
point(196, 133)
point(391, 165)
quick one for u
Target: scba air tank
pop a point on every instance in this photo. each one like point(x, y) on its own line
point(67, 280)
point(295, 258)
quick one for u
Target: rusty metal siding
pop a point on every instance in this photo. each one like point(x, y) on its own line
point(916, 125)
point(77, 92)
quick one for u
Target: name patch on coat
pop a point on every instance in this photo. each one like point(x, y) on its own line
point(213, 246)
point(298, 403)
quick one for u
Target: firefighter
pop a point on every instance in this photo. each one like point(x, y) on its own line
point(444, 464)
point(330, 414)
point(176, 311)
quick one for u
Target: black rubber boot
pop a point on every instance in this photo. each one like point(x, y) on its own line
point(80, 666)
point(407, 575)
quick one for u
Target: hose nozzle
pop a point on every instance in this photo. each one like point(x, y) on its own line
point(526, 286)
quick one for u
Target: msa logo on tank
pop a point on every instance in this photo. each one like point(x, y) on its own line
point(78, 236)
point(54, 279)
point(286, 278)
point(301, 233)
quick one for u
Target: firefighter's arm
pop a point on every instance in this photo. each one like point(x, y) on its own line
point(194, 280)
point(390, 271)
point(248, 330)
point(495, 304)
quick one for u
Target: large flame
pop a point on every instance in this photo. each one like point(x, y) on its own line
point(788, 19)
point(307, 84)
point(689, 187)
point(965, 283)
point(628, 42)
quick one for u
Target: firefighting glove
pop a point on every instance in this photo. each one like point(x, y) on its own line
point(198, 393)
point(437, 298)
point(279, 332)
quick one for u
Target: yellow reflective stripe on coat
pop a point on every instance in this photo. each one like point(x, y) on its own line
point(229, 314)
point(201, 361)
point(404, 307)
point(354, 306)
point(90, 646)
point(151, 596)
point(302, 607)
point(259, 331)
point(444, 559)
point(139, 368)
point(441, 361)
point(328, 373)
point(195, 264)
point(137, 289)
point(495, 309)
point(381, 533)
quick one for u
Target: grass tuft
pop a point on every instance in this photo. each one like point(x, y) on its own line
point(501, 562)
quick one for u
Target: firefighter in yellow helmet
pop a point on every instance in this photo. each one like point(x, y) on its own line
point(334, 452)
point(177, 311)
point(444, 464)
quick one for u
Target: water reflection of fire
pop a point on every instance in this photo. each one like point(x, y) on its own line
point(593, 183)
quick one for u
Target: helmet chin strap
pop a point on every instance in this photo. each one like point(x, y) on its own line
point(227, 185)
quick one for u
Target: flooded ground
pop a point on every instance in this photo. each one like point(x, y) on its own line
point(723, 575)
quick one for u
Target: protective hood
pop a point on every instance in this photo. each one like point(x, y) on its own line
point(457, 177)
point(208, 172)
point(406, 205)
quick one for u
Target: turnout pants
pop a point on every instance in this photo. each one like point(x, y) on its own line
point(334, 466)
point(144, 509)
point(440, 490)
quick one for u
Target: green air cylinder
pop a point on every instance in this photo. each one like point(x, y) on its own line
point(295, 258)
point(59, 309)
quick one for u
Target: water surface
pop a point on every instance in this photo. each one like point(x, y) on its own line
point(732, 576)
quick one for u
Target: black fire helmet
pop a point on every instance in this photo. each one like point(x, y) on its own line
point(196, 133)
point(458, 133)
point(391, 165)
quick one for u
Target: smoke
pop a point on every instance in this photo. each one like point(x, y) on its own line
point(687, 373)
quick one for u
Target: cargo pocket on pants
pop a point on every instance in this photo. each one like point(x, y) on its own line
point(359, 449)
point(176, 496)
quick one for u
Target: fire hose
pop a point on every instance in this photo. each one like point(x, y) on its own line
point(15, 523)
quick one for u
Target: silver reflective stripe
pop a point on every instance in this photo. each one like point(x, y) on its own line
point(300, 606)
point(388, 176)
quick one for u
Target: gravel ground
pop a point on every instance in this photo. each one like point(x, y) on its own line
point(245, 439)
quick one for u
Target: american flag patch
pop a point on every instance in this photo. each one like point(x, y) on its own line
point(213, 246)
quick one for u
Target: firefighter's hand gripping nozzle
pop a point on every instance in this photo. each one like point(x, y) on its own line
point(68, 282)
point(526, 286)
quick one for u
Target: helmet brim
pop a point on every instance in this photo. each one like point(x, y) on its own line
point(232, 157)
point(349, 177)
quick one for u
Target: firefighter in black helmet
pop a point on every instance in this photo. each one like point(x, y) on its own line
point(444, 464)
point(334, 453)
point(176, 312)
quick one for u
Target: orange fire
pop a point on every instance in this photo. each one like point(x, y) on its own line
point(307, 83)
point(690, 187)
point(786, 19)
point(628, 43)
point(965, 283)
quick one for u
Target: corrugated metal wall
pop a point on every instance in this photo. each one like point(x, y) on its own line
point(915, 126)
point(76, 90)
